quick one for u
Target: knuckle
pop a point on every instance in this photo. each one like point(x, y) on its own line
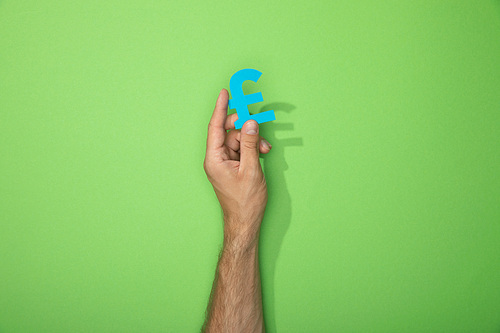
point(212, 126)
point(249, 145)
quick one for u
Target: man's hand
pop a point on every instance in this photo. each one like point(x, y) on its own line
point(232, 166)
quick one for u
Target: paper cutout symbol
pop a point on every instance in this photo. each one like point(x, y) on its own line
point(241, 101)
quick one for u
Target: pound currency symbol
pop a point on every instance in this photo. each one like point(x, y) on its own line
point(241, 101)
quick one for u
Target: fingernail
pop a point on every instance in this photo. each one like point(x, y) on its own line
point(252, 128)
point(266, 144)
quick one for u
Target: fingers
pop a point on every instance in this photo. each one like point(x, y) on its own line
point(233, 139)
point(216, 132)
point(249, 146)
point(230, 121)
point(265, 146)
point(233, 155)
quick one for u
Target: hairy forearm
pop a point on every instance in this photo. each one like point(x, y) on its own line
point(236, 301)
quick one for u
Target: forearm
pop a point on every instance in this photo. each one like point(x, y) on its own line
point(236, 300)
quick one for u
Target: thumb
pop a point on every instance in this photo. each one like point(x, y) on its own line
point(249, 145)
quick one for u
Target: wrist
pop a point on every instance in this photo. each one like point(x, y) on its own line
point(250, 217)
point(239, 253)
point(240, 245)
point(241, 231)
point(241, 235)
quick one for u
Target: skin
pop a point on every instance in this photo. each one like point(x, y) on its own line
point(232, 166)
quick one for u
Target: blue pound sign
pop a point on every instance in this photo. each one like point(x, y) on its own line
point(241, 101)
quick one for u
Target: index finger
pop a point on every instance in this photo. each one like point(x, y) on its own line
point(216, 132)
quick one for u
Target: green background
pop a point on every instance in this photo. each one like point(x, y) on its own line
point(384, 189)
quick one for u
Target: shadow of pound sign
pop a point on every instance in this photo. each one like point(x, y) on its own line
point(279, 207)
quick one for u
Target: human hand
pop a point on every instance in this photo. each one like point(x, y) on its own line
point(232, 166)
